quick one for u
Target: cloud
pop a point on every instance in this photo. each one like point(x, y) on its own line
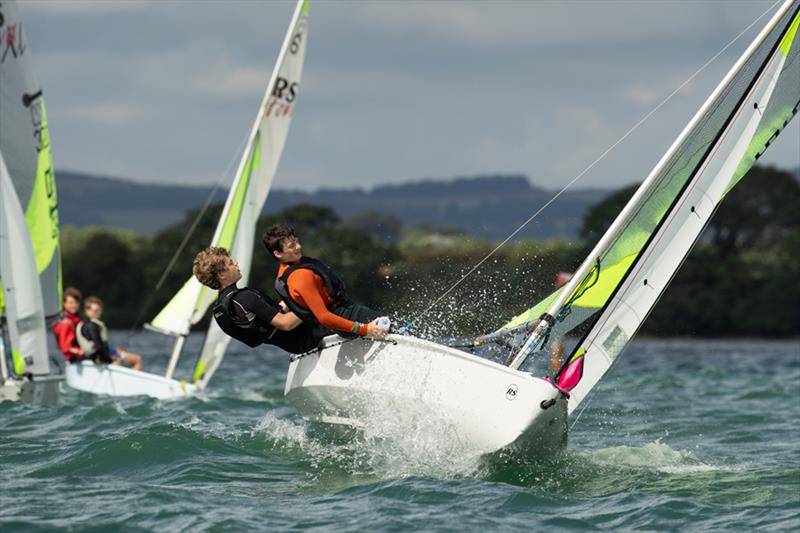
point(390, 91)
point(231, 81)
point(116, 114)
point(85, 7)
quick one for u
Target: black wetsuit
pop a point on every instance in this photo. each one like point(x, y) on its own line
point(92, 336)
point(246, 315)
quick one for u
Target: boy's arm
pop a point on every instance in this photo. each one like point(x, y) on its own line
point(286, 321)
point(267, 313)
point(65, 338)
point(303, 285)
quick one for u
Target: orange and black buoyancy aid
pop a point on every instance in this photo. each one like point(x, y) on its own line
point(238, 322)
point(333, 282)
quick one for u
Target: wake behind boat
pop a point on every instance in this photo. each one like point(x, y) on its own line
point(494, 407)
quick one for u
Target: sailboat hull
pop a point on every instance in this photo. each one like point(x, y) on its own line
point(120, 381)
point(488, 407)
point(42, 390)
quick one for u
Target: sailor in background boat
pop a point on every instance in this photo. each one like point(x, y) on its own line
point(247, 314)
point(92, 335)
point(64, 327)
point(314, 291)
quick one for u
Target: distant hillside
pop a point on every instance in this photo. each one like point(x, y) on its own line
point(489, 206)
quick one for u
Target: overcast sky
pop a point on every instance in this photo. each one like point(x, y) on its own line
point(392, 91)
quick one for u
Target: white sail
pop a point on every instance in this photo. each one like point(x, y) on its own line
point(24, 311)
point(236, 228)
point(623, 277)
point(25, 144)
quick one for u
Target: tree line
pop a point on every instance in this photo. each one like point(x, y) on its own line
point(741, 279)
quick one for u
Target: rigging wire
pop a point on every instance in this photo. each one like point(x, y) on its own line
point(143, 309)
point(593, 163)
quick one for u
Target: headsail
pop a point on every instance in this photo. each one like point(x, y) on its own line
point(621, 280)
point(236, 228)
point(24, 311)
point(25, 144)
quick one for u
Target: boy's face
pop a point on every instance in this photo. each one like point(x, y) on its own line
point(93, 311)
point(71, 305)
point(292, 250)
point(231, 274)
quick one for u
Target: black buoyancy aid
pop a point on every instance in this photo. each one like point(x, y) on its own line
point(239, 323)
point(334, 284)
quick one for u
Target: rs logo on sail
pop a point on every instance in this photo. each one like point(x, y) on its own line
point(283, 95)
point(11, 41)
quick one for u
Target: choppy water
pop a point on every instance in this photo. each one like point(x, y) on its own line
point(681, 435)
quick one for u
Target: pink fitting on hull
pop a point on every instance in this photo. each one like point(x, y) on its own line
point(570, 376)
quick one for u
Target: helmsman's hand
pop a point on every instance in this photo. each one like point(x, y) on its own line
point(374, 330)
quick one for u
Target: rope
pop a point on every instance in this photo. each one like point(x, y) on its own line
point(593, 163)
point(132, 332)
point(297, 357)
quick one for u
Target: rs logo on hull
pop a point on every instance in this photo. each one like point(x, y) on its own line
point(511, 392)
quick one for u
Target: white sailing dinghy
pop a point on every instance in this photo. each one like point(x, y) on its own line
point(496, 408)
point(235, 232)
point(25, 147)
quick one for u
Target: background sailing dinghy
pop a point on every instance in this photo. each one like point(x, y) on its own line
point(493, 407)
point(30, 256)
point(235, 232)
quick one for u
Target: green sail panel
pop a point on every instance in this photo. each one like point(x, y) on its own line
point(253, 179)
point(190, 303)
point(268, 136)
point(783, 106)
point(754, 103)
point(25, 144)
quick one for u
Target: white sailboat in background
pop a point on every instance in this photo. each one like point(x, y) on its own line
point(235, 232)
point(491, 407)
point(30, 213)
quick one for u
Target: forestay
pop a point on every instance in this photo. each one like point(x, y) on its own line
point(25, 144)
point(236, 228)
point(621, 280)
point(24, 310)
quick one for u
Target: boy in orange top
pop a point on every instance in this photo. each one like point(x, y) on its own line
point(314, 291)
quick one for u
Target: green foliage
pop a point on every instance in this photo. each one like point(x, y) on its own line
point(761, 211)
point(741, 278)
point(105, 263)
point(379, 226)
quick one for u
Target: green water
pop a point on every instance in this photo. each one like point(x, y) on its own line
point(680, 435)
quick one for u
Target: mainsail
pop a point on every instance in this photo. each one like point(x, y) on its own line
point(236, 228)
point(621, 280)
point(25, 144)
point(24, 312)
